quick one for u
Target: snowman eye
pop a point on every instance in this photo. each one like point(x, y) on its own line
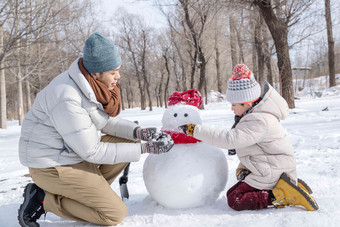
point(175, 115)
point(185, 115)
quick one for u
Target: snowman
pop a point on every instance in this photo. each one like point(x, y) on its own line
point(192, 173)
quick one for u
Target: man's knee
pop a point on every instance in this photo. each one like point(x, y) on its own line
point(122, 214)
point(118, 215)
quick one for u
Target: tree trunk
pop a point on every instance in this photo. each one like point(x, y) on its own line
point(331, 60)
point(259, 50)
point(128, 97)
point(159, 93)
point(20, 98)
point(157, 99)
point(253, 48)
point(196, 40)
point(239, 39)
point(129, 94)
point(202, 66)
point(144, 72)
point(142, 96)
point(122, 97)
point(183, 82)
point(206, 94)
point(279, 31)
point(3, 101)
point(193, 70)
point(166, 89)
point(178, 86)
point(20, 102)
point(218, 69)
point(268, 59)
point(233, 43)
point(28, 95)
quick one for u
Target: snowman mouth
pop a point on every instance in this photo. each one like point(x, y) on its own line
point(180, 137)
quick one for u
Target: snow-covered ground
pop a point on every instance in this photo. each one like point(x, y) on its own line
point(315, 135)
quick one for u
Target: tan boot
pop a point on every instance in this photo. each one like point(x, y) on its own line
point(304, 186)
point(287, 193)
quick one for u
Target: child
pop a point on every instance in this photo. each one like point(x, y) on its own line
point(267, 170)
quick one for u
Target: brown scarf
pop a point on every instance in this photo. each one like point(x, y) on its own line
point(110, 100)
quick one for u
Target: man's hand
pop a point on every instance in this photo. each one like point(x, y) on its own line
point(144, 133)
point(188, 129)
point(160, 143)
point(241, 174)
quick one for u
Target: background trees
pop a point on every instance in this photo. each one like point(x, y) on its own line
point(197, 48)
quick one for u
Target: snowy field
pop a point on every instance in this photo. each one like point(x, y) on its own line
point(315, 135)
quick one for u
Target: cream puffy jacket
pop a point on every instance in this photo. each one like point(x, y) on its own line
point(65, 123)
point(261, 143)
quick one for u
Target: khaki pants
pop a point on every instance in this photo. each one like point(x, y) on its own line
point(82, 191)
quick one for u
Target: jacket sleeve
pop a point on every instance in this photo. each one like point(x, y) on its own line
point(246, 133)
point(79, 133)
point(241, 166)
point(119, 127)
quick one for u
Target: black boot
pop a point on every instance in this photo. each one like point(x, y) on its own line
point(32, 207)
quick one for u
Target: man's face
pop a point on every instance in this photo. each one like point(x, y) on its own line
point(109, 78)
point(239, 109)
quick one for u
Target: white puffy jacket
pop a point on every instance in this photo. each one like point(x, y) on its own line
point(261, 143)
point(65, 123)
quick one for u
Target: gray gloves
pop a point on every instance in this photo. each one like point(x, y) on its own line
point(157, 142)
point(144, 133)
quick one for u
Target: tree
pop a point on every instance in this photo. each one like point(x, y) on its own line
point(3, 110)
point(25, 30)
point(166, 63)
point(233, 45)
point(258, 35)
point(135, 40)
point(331, 60)
point(279, 15)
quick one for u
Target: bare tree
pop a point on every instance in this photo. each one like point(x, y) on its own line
point(239, 34)
point(268, 57)
point(3, 115)
point(135, 40)
point(196, 16)
point(331, 60)
point(143, 59)
point(217, 62)
point(25, 26)
point(259, 49)
point(233, 43)
point(166, 63)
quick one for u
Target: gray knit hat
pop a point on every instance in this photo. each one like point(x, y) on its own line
point(100, 54)
point(242, 86)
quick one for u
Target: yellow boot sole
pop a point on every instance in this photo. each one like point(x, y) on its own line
point(287, 193)
point(304, 186)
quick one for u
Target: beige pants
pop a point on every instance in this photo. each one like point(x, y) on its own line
point(82, 191)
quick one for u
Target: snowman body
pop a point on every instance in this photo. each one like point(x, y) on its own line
point(190, 174)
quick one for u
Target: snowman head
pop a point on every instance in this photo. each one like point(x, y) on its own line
point(183, 108)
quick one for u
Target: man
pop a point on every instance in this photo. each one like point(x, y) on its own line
point(71, 164)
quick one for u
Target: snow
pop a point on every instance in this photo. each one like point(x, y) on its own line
point(315, 135)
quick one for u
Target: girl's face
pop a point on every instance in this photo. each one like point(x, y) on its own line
point(239, 109)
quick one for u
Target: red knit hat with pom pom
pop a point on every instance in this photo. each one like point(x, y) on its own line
point(242, 86)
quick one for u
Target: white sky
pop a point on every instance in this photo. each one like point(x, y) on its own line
point(145, 8)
